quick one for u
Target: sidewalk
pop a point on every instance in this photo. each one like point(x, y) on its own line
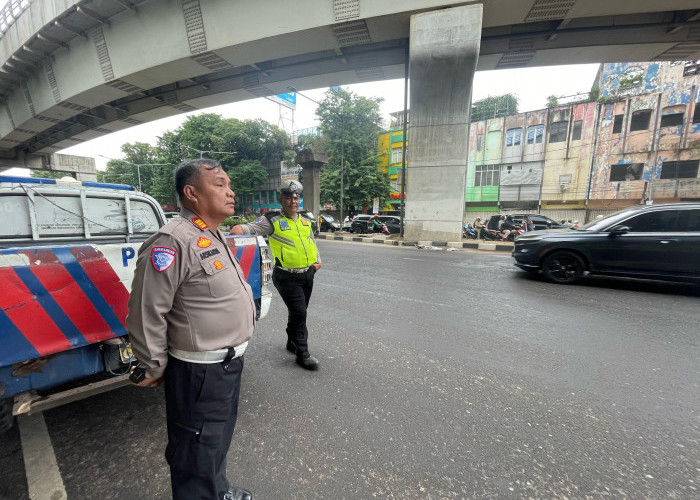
point(396, 240)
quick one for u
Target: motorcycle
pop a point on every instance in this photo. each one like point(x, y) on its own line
point(469, 232)
point(381, 229)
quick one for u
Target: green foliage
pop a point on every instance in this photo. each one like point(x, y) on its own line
point(50, 174)
point(349, 127)
point(246, 175)
point(594, 94)
point(141, 161)
point(552, 101)
point(242, 148)
point(494, 106)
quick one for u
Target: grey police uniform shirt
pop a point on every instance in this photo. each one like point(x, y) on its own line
point(188, 292)
point(263, 227)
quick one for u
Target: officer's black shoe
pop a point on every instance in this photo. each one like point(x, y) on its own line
point(236, 493)
point(307, 361)
point(291, 347)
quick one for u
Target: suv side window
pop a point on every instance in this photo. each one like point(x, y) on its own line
point(653, 222)
point(691, 220)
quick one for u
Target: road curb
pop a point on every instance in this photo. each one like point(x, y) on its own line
point(443, 245)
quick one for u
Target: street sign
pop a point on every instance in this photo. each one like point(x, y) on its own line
point(288, 100)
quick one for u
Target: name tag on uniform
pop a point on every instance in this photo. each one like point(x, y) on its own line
point(284, 225)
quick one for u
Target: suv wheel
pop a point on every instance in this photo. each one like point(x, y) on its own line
point(357, 230)
point(562, 267)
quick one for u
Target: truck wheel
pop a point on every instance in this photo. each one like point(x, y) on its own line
point(7, 419)
point(563, 267)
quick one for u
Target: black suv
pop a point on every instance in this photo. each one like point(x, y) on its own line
point(360, 223)
point(643, 241)
point(540, 221)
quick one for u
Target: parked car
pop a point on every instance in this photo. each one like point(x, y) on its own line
point(645, 241)
point(310, 215)
point(328, 223)
point(540, 221)
point(347, 223)
point(359, 223)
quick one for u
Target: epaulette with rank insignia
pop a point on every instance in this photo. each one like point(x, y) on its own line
point(199, 223)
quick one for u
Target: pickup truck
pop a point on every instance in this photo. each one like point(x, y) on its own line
point(67, 256)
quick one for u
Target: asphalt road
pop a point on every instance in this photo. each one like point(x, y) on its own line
point(443, 375)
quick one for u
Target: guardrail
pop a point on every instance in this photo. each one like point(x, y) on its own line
point(10, 12)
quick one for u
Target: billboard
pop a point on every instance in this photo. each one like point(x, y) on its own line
point(288, 100)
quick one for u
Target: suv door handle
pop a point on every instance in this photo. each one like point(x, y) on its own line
point(665, 242)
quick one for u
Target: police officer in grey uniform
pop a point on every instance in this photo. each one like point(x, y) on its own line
point(297, 259)
point(191, 314)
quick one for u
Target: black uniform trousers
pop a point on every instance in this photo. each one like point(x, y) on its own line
point(201, 402)
point(295, 290)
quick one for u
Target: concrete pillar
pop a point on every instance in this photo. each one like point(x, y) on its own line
point(312, 162)
point(444, 48)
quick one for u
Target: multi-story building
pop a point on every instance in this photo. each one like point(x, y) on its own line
point(638, 142)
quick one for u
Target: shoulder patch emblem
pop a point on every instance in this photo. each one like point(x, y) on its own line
point(203, 242)
point(304, 221)
point(259, 219)
point(199, 223)
point(218, 265)
point(162, 258)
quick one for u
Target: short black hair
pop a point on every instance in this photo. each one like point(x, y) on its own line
point(189, 171)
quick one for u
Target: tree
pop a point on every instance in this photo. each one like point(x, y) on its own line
point(141, 162)
point(349, 126)
point(494, 106)
point(552, 101)
point(247, 145)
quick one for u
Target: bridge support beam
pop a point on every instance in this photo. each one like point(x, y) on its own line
point(312, 162)
point(444, 47)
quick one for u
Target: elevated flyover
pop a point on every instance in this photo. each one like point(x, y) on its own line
point(74, 70)
point(71, 71)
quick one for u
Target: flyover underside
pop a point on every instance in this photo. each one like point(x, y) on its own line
point(76, 70)
point(443, 56)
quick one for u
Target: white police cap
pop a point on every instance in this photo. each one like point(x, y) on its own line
point(293, 188)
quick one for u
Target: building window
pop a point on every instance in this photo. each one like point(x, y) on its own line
point(396, 155)
point(640, 120)
point(672, 119)
point(696, 114)
point(557, 132)
point(626, 172)
point(514, 137)
point(479, 141)
point(617, 124)
point(687, 169)
point(535, 134)
point(576, 133)
point(486, 175)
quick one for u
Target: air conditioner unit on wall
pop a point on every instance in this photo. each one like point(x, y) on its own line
point(564, 186)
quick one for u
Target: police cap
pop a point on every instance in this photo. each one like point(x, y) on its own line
point(291, 188)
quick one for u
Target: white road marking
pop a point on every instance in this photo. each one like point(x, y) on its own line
point(383, 294)
point(43, 477)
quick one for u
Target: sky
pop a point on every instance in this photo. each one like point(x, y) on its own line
point(531, 85)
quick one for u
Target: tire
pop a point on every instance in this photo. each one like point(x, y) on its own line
point(357, 230)
point(563, 267)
